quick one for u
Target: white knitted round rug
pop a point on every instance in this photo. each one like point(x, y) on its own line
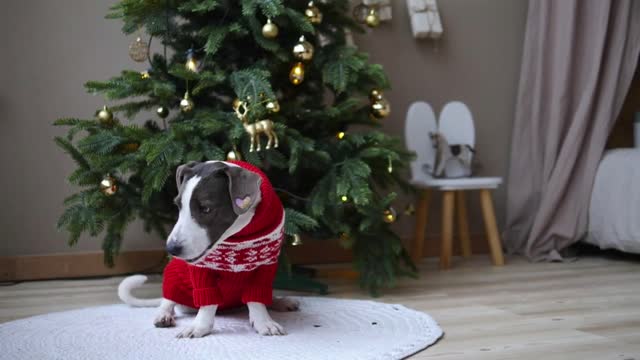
point(324, 328)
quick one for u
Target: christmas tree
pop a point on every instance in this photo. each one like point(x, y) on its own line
point(282, 69)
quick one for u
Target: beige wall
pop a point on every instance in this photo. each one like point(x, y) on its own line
point(477, 62)
point(50, 48)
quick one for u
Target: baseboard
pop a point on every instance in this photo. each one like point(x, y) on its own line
point(59, 266)
point(78, 265)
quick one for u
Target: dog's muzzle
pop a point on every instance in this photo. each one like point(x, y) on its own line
point(174, 248)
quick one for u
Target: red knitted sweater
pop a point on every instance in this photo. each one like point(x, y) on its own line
point(238, 269)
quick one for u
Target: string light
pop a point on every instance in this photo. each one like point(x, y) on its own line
point(192, 63)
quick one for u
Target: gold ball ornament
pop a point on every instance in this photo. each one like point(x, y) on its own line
point(303, 50)
point(297, 240)
point(105, 116)
point(108, 185)
point(373, 18)
point(296, 75)
point(186, 104)
point(270, 30)
point(273, 106)
point(313, 14)
point(376, 94)
point(234, 155)
point(162, 112)
point(380, 109)
point(139, 50)
point(389, 215)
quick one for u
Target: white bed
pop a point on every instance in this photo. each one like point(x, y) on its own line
point(614, 211)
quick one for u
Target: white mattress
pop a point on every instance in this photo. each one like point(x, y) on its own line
point(614, 212)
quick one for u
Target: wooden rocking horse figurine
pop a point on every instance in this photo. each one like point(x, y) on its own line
point(254, 130)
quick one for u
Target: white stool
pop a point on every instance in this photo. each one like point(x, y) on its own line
point(454, 198)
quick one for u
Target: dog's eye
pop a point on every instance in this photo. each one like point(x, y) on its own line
point(205, 210)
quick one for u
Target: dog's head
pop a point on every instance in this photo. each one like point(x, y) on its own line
point(216, 200)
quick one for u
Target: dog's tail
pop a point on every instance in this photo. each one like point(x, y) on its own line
point(127, 285)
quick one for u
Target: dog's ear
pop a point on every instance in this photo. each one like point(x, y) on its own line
point(244, 188)
point(184, 172)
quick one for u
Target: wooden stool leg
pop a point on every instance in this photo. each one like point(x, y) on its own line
point(448, 199)
point(491, 226)
point(463, 225)
point(422, 211)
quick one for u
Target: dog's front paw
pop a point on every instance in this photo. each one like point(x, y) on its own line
point(193, 331)
point(164, 320)
point(284, 304)
point(268, 327)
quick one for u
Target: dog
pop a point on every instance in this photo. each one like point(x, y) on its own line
point(225, 247)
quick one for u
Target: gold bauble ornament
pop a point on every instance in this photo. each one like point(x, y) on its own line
point(162, 112)
point(270, 30)
point(105, 116)
point(376, 94)
point(313, 14)
point(234, 155)
point(139, 50)
point(273, 106)
point(297, 240)
point(389, 215)
point(296, 76)
point(303, 50)
point(380, 109)
point(373, 18)
point(108, 185)
point(186, 104)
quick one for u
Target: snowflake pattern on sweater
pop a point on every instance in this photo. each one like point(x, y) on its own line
point(247, 255)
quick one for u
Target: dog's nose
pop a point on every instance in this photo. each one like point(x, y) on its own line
point(174, 248)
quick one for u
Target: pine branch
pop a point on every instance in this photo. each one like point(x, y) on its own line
point(73, 152)
point(296, 221)
point(251, 84)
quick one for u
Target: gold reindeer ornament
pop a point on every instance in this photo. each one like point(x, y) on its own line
point(256, 129)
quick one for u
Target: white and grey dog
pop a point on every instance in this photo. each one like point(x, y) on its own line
point(216, 200)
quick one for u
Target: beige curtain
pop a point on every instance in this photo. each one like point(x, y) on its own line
point(578, 61)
